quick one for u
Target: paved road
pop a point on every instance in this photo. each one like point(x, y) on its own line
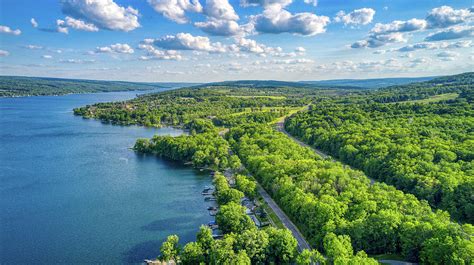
point(302, 243)
point(280, 126)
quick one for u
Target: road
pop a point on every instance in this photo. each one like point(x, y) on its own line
point(302, 243)
point(280, 126)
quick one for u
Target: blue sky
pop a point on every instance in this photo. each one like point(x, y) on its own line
point(214, 40)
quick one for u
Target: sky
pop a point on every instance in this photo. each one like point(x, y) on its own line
point(217, 40)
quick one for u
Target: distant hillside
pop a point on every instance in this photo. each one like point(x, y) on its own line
point(274, 84)
point(369, 83)
point(14, 86)
point(461, 83)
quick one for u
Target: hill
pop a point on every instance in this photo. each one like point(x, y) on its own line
point(16, 86)
point(368, 83)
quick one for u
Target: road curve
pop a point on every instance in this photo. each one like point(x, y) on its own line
point(302, 243)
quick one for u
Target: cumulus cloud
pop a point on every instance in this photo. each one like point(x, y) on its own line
point(78, 24)
point(446, 16)
point(399, 26)
point(275, 19)
point(4, 53)
point(440, 17)
point(175, 10)
point(115, 48)
point(376, 40)
point(220, 9)
point(33, 22)
point(435, 45)
point(219, 27)
point(311, 2)
point(105, 14)
point(266, 3)
point(455, 32)
point(361, 16)
point(248, 45)
point(186, 41)
point(155, 54)
point(8, 30)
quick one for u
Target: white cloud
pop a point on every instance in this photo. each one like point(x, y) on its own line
point(361, 16)
point(33, 47)
point(8, 30)
point(61, 26)
point(376, 40)
point(33, 22)
point(446, 16)
point(435, 46)
point(105, 14)
point(311, 2)
point(278, 20)
point(219, 27)
point(455, 32)
point(399, 26)
point(186, 41)
point(448, 55)
point(175, 10)
point(76, 61)
point(115, 48)
point(4, 53)
point(300, 49)
point(47, 57)
point(155, 54)
point(79, 25)
point(248, 45)
point(220, 9)
point(265, 3)
point(440, 17)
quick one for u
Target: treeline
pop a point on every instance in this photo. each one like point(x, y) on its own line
point(205, 149)
point(423, 90)
point(326, 199)
point(423, 149)
point(14, 86)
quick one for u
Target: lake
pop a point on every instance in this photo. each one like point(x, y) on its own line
point(73, 191)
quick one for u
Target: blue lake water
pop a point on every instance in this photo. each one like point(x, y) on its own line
point(72, 190)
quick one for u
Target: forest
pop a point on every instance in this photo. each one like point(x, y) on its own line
point(19, 86)
point(419, 152)
point(423, 149)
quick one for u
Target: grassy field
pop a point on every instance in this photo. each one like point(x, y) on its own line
point(271, 97)
point(432, 99)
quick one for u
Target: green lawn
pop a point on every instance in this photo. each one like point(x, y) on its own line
point(432, 99)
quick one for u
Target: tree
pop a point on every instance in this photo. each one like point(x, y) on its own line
point(232, 218)
point(192, 254)
point(229, 195)
point(337, 246)
point(170, 248)
point(246, 185)
point(255, 243)
point(310, 257)
point(205, 240)
point(282, 246)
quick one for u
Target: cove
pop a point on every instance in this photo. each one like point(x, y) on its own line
point(73, 192)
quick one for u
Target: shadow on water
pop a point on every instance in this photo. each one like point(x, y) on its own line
point(151, 249)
